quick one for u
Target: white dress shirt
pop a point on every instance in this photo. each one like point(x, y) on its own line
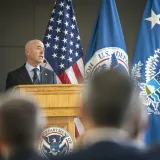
point(30, 70)
point(110, 134)
point(105, 134)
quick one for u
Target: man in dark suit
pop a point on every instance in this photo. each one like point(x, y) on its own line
point(106, 106)
point(30, 72)
point(21, 123)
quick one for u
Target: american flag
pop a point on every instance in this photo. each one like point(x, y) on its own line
point(63, 49)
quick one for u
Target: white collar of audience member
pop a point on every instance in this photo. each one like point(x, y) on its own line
point(105, 134)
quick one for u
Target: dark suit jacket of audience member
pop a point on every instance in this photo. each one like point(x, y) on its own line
point(1, 157)
point(105, 151)
point(153, 152)
point(25, 154)
point(20, 76)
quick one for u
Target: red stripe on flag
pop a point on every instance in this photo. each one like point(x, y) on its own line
point(64, 78)
point(77, 72)
point(76, 132)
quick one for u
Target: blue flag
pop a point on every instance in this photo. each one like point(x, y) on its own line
point(107, 48)
point(146, 67)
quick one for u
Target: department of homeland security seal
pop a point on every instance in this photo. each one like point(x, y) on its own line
point(107, 59)
point(55, 141)
point(147, 77)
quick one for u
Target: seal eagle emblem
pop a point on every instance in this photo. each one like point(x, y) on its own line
point(55, 141)
point(149, 82)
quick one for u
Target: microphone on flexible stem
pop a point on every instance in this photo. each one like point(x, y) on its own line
point(44, 61)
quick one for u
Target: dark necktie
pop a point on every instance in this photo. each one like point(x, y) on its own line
point(35, 76)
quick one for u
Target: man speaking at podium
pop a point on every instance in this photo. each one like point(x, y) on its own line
point(31, 72)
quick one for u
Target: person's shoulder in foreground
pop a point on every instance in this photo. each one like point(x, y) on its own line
point(153, 152)
point(105, 151)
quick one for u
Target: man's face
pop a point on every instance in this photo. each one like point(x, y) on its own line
point(36, 52)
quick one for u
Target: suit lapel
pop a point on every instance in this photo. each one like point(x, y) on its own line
point(43, 76)
point(24, 75)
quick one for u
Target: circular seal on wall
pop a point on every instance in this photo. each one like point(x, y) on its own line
point(55, 141)
point(109, 58)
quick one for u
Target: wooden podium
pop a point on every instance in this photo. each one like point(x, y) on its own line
point(60, 103)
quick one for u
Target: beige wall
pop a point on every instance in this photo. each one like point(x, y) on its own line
point(20, 22)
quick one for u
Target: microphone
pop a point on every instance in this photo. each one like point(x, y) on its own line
point(44, 61)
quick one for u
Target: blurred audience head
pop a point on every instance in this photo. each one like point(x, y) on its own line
point(106, 99)
point(21, 120)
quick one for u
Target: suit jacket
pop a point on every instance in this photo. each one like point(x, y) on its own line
point(106, 150)
point(21, 76)
point(1, 157)
point(153, 152)
point(25, 154)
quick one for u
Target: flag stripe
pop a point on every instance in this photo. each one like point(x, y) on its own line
point(71, 75)
point(79, 125)
point(76, 132)
point(58, 80)
point(77, 72)
point(64, 78)
point(80, 64)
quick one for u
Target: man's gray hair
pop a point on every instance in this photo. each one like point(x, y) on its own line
point(21, 120)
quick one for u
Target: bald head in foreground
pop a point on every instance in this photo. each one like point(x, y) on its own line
point(21, 124)
point(107, 104)
point(31, 72)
